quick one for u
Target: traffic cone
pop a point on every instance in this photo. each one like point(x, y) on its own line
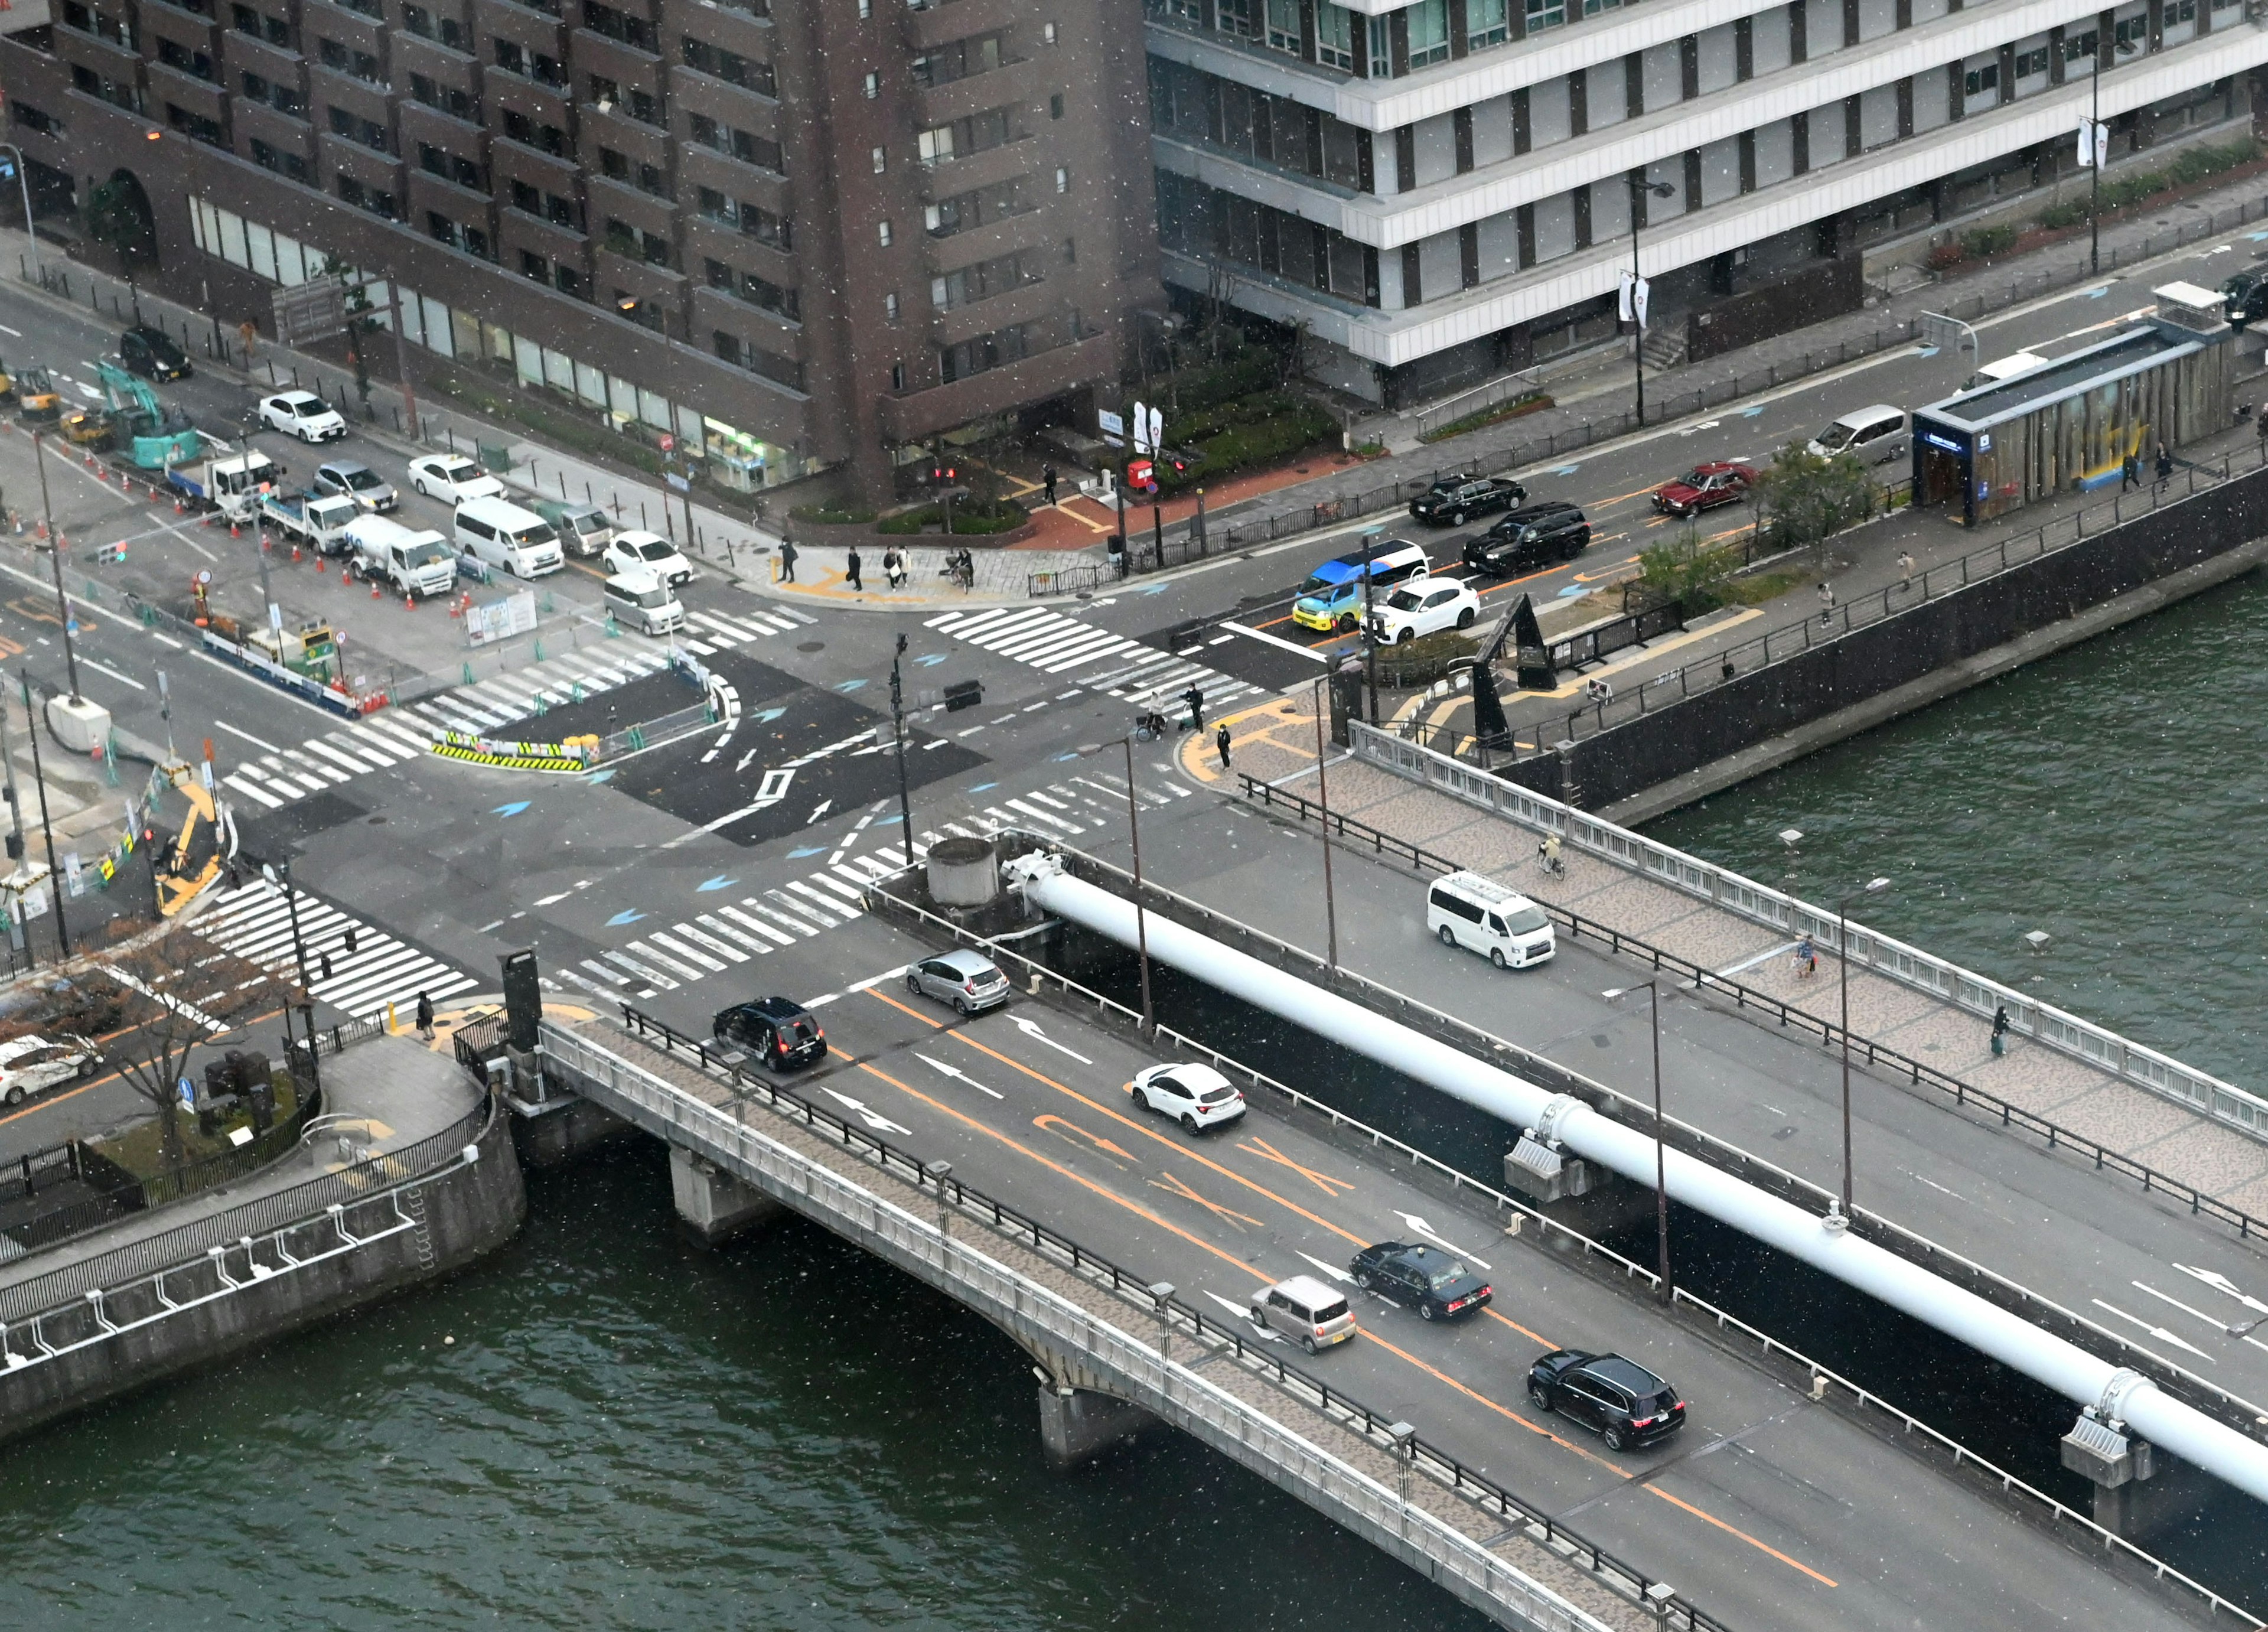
point(234, 531)
point(295, 554)
point(373, 589)
point(409, 601)
point(318, 561)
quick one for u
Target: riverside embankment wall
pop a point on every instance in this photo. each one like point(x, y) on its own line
point(1669, 756)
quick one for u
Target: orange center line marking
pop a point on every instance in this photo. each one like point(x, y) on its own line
point(1175, 1186)
point(1324, 1182)
point(1710, 1518)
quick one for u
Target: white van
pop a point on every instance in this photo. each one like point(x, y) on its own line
point(1466, 909)
point(416, 561)
point(643, 602)
point(499, 534)
point(1874, 436)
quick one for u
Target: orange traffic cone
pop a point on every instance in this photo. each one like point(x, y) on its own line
point(234, 531)
point(319, 562)
point(295, 555)
point(409, 601)
point(373, 589)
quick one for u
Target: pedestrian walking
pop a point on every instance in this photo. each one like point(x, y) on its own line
point(350, 939)
point(2129, 471)
point(425, 1016)
point(2260, 423)
point(323, 967)
point(2165, 469)
point(1826, 602)
point(787, 560)
point(893, 568)
point(1806, 959)
point(1905, 570)
point(2000, 1030)
point(1220, 742)
point(851, 569)
point(1047, 481)
point(1196, 700)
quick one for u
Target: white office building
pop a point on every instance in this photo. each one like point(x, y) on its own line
point(1442, 192)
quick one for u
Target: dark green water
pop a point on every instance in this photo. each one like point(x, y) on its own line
point(2115, 797)
point(630, 1432)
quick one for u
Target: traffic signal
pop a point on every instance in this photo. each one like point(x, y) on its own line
point(943, 473)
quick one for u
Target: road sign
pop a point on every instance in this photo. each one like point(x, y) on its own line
point(683, 484)
point(188, 1094)
point(669, 442)
point(1113, 427)
point(1946, 334)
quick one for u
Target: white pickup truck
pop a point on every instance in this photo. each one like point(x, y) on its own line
point(415, 563)
point(318, 520)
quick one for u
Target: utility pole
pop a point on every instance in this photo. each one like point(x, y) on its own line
point(1323, 807)
point(401, 358)
point(55, 559)
point(1843, 961)
point(898, 726)
point(15, 839)
point(1369, 635)
point(1639, 189)
point(1141, 921)
point(47, 831)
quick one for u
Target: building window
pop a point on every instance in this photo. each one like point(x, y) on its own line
point(1062, 179)
point(1428, 33)
point(882, 231)
point(1235, 17)
point(882, 160)
point(1047, 33)
point(986, 351)
point(196, 126)
point(1981, 81)
point(2032, 63)
point(730, 66)
point(1056, 105)
point(364, 197)
point(1284, 26)
point(1334, 36)
point(619, 25)
point(523, 196)
point(182, 59)
point(1071, 252)
point(897, 377)
point(741, 353)
point(873, 86)
point(889, 308)
point(1487, 23)
point(534, 266)
point(572, 282)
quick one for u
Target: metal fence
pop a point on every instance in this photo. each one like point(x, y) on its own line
point(1983, 1281)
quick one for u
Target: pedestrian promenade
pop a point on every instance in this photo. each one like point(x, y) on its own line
point(1275, 742)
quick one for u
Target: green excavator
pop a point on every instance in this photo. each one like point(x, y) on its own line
point(154, 436)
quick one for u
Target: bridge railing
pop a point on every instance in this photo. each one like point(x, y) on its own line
point(1821, 1375)
point(1255, 1355)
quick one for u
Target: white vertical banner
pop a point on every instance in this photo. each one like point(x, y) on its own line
point(2093, 143)
point(1640, 291)
point(1157, 429)
point(1622, 297)
point(1141, 428)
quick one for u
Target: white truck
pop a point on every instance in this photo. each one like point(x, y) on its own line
point(415, 561)
point(318, 520)
point(232, 486)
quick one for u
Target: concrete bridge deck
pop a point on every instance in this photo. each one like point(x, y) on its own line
point(1773, 1510)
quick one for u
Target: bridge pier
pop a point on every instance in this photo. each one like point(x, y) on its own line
point(1077, 1425)
point(713, 1205)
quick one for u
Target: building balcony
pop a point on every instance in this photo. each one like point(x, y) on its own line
point(913, 415)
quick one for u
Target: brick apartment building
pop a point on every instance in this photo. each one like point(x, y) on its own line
point(1443, 191)
point(798, 240)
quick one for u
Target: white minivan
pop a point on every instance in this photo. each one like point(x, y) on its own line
point(1466, 909)
point(642, 601)
point(499, 534)
point(1873, 436)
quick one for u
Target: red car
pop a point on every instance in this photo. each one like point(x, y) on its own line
point(1704, 488)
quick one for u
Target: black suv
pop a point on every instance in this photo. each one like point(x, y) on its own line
point(1538, 536)
point(152, 353)
point(778, 1030)
point(1428, 1276)
point(1628, 1404)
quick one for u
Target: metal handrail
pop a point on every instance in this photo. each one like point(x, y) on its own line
point(2242, 1413)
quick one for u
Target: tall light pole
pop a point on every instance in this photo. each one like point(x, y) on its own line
point(898, 728)
point(2097, 151)
point(1664, 1289)
point(1640, 189)
point(55, 557)
point(1872, 886)
point(1324, 804)
point(1134, 834)
point(47, 829)
point(23, 185)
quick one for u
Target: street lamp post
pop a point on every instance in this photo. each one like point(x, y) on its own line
point(2097, 151)
point(1664, 1289)
point(1141, 919)
point(1640, 188)
point(1872, 886)
point(55, 558)
point(23, 185)
point(1324, 804)
point(47, 830)
point(898, 729)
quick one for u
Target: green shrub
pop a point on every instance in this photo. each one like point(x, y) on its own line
point(1194, 390)
point(1296, 427)
point(1422, 662)
point(969, 517)
point(1682, 571)
point(1804, 497)
point(1990, 240)
point(2056, 217)
point(831, 516)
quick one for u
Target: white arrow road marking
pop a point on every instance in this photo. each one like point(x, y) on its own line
point(2221, 1283)
point(1243, 1311)
point(1418, 1227)
point(1332, 1270)
point(1031, 1029)
point(2158, 1332)
point(867, 1114)
point(957, 1074)
point(2178, 1303)
point(825, 805)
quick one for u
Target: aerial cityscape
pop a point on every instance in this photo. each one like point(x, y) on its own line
point(927, 813)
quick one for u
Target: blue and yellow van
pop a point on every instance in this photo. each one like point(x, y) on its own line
point(1331, 599)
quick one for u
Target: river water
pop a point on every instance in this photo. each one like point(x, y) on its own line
point(602, 1426)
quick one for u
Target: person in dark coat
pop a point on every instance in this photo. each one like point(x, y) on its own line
point(787, 561)
point(851, 570)
point(1220, 742)
point(425, 1016)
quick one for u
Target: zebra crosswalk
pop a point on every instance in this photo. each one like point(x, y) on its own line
point(1076, 804)
point(1095, 658)
point(706, 632)
point(351, 966)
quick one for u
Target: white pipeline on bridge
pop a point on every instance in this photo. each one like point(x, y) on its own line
point(2070, 1370)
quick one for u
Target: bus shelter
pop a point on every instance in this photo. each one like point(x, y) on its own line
point(2073, 423)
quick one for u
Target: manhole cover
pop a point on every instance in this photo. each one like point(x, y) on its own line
point(813, 645)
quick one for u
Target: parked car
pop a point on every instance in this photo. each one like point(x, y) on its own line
point(30, 1065)
point(1627, 1404)
point(1527, 540)
point(965, 979)
point(1331, 599)
point(1472, 910)
point(1452, 501)
point(1874, 436)
point(357, 481)
point(1194, 1096)
point(1432, 1277)
point(1303, 1309)
point(647, 552)
point(778, 1030)
point(153, 354)
point(585, 529)
point(1706, 487)
point(641, 602)
point(304, 414)
point(1425, 606)
point(452, 478)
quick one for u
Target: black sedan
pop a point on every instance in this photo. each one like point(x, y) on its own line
point(1437, 1281)
point(1451, 500)
point(778, 1030)
point(1627, 1404)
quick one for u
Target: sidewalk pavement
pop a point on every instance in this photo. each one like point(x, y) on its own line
point(1275, 742)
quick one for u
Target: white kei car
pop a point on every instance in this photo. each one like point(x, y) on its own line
point(452, 478)
point(1195, 1096)
point(1424, 606)
point(304, 414)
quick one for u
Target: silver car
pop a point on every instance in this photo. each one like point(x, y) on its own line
point(358, 482)
point(966, 979)
point(1306, 1311)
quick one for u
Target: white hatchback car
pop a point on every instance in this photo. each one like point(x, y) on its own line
point(648, 552)
point(452, 478)
point(304, 414)
point(30, 1065)
point(1425, 606)
point(1195, 1096)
